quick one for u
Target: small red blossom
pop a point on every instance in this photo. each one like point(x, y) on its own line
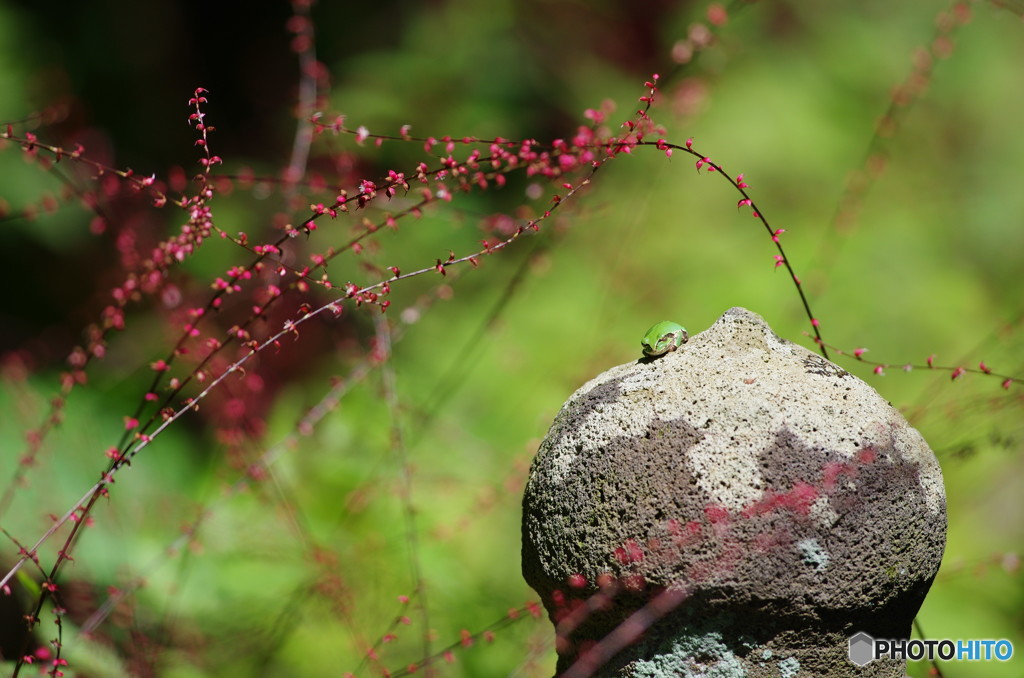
point(879, 371)
point(717, 14)
point(629, 552)
point(858, 352)
point(957, 373)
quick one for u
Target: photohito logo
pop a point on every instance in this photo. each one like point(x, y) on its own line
point(864, 649)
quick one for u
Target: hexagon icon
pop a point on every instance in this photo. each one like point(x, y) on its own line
point(861, 646)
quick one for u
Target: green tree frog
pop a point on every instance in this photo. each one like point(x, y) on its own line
point(663, 337)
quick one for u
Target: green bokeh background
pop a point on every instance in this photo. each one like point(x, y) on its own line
point(790, 94)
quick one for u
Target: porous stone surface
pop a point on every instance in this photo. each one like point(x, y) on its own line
point(782, 502)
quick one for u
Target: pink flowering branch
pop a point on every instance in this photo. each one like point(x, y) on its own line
point(634, 137)
point(353, 292)
point(781, 259)
point(467, 640)
point(32, 146)
point(305, 426)
point(172, 250)
point(956, 371)
point(626, 633)
point(199, 227)
point(203, 224)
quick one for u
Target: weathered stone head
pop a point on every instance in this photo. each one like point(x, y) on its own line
point(740, 504)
